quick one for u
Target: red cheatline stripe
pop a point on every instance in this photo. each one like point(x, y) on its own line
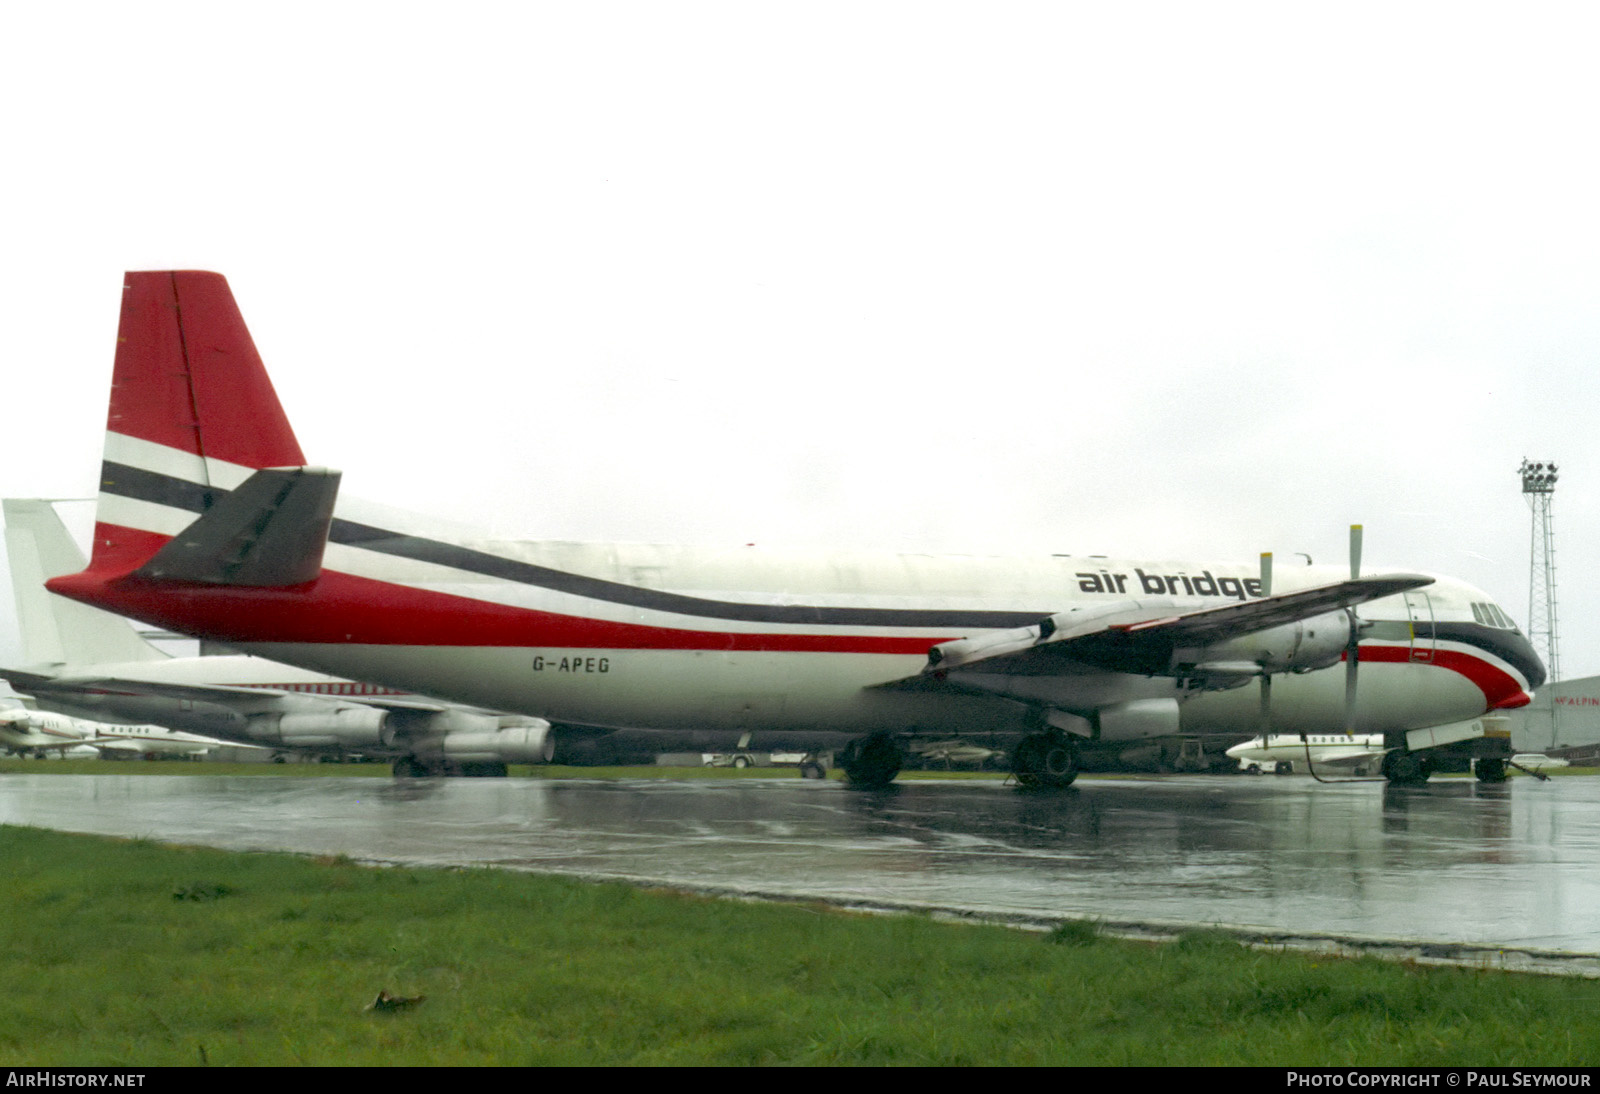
point(343, 608)
point(1501, 691)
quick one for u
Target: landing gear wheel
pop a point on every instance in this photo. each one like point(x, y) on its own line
point(1046, 760)
point(811, 769)
point(1490, 769)
point(872, 762)
point(1404, 768)
point(1283, 767)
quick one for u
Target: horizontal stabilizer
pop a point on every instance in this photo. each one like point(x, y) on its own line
point(21, 682)
point(268, 533)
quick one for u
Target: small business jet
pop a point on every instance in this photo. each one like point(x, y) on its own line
point(41, 732)
point(212, 523)
point(86, 663)
point(1284, 752)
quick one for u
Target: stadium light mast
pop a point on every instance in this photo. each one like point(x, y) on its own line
point(1539, 487)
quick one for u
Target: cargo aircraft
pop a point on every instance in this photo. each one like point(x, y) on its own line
point(212, 523)
point(86, 663)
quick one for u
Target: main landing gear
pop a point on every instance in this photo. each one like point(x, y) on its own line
point(1046, 760)
point(1490, 769)
point(871, 762)
point(1404, 768)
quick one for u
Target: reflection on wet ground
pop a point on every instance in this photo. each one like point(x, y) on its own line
point(1515, 866)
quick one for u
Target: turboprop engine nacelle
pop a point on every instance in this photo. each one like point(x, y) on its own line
point(347, 727)
point(1303, 646)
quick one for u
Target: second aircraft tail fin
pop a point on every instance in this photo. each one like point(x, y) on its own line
point(57, 631)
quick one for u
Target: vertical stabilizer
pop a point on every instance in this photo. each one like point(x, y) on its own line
point(192, 414)
point(57, 631)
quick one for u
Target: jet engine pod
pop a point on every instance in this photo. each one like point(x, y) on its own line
point(346, 727)
point(468, 736)
point(526, 744)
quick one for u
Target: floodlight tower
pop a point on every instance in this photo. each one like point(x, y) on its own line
point(1539, 486)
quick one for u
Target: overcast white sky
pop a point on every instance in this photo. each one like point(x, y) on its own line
point(1161, 280)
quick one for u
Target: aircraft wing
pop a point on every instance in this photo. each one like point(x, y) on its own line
point(1341, 759)
point(24, 743)
point(134, 746)
point(242, 700)
point(1157, 638)
point(236, 697)
point(120, 748)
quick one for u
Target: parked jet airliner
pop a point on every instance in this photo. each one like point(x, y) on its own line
point(210, 522)
point(83, 662)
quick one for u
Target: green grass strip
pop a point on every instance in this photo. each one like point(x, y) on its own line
point(133, 953)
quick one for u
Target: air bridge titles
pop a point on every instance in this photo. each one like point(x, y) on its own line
point(1178, 584)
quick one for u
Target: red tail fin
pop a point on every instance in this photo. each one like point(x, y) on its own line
point(188, 377)
point(192, 415)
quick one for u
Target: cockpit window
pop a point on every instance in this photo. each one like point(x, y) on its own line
point(1490, 615)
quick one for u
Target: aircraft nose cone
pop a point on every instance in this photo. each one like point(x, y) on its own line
point(1512, 702)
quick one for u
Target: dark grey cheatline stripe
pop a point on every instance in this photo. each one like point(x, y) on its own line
point(140, 485)
point(132, 482)
point(1510, 646)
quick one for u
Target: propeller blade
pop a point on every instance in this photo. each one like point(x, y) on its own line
point(1266, 677)
point(1352, 652)
point(1352, 662)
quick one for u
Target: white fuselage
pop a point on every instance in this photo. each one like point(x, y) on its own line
point(679, 638)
